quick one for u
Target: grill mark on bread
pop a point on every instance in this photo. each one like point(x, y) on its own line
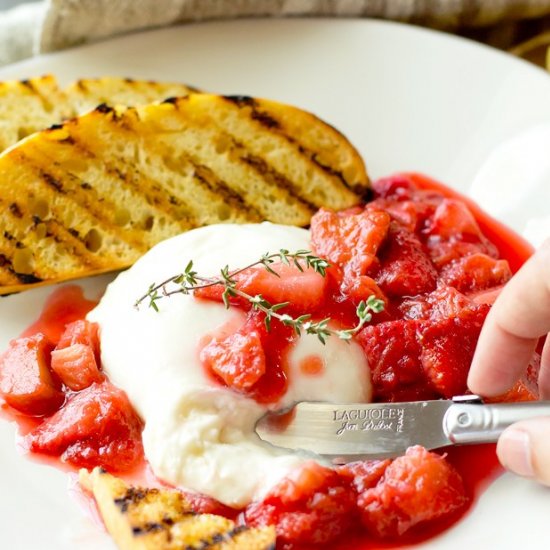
point(15, 210)
point(165, 196)
point(265, 119)
point(50, 180)
point(155, 519)
point(99, 205)
point(272, 201)
point(145, 189)
point(78, 193)
point(70, 241)
point(231, 197)
point(8, 275)
point(37, 92)
point(268, 124)
point(265, 170)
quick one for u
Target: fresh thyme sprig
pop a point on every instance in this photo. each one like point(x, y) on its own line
point(189, 281)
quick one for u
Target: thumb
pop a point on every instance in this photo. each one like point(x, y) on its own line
point(524, 449)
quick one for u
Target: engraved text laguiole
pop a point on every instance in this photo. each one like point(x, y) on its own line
point(368, 419)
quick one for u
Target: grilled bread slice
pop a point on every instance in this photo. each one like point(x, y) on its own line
point(161, 519)
point(93, 194)
point(28, 106)
point(86, 94)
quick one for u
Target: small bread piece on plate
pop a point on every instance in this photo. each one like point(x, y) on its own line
point(87, 94)
point(161, 519)
point(93, 194)
point(27, 106)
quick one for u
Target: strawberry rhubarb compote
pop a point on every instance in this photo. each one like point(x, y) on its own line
point(197, 374)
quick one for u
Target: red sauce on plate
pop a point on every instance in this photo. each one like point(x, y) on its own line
point(356, 275)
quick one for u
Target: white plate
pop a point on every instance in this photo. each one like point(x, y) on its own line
point(409, 99)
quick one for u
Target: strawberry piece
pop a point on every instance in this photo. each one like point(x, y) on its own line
point(26, 383)
point(363, 474)
point(476, 272)
point(398, 187)
point(393, 354)
point(305, 290)
point(238, 359)
point(203, 504)
point(405, 269)
point(96, 427)
point(81, 332)
point(76, 366)
point(452, 220)
point(350, 241)
point(360, 288)
point(442, 303)
point(312, 505)
point(454, 233)
point(416, 488)
point(448, 347)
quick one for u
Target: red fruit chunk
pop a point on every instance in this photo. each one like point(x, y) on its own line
point(405, 269)
point(313, 505)
point(365, 474)
point(238, 359)
point(448, 347)
point(81, 332)
point(416, 488)
point(96, 427)
point(476, 272)
point(349, 241)
point(360, 288)
point(76, 366)
point(442, 303)
point(393, 353)
point(203, 504)
point(397, 187)
point(304, 290)
point(454, 233)
point(452, 220)
point(26, 383)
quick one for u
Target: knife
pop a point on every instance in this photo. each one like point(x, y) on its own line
point(348, 432)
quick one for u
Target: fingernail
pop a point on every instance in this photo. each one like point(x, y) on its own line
point(514, 451)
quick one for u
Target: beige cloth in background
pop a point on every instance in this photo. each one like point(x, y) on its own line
point(55, 24)
point(69, 22)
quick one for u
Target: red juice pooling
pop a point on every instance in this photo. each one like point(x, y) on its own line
point(413, 246)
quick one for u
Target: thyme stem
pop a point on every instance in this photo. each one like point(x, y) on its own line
point(189, 281)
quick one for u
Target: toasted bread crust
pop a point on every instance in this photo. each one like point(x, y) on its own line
point(161, 519)
point(86, 94)
point(93, 194)
point(28, 106)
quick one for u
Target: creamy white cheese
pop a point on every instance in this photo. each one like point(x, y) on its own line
point(199, 435)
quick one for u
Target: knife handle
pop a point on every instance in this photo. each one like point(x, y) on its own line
point(480, 423)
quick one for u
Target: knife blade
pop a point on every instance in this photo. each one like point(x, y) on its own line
point(359, 431)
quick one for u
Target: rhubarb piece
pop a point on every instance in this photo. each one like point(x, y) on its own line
point(26, 382)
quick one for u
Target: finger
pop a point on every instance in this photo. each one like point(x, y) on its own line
point(544, 372)
point(520, 315)
point(524, 449)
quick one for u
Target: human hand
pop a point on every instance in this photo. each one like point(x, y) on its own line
point(519, 317)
